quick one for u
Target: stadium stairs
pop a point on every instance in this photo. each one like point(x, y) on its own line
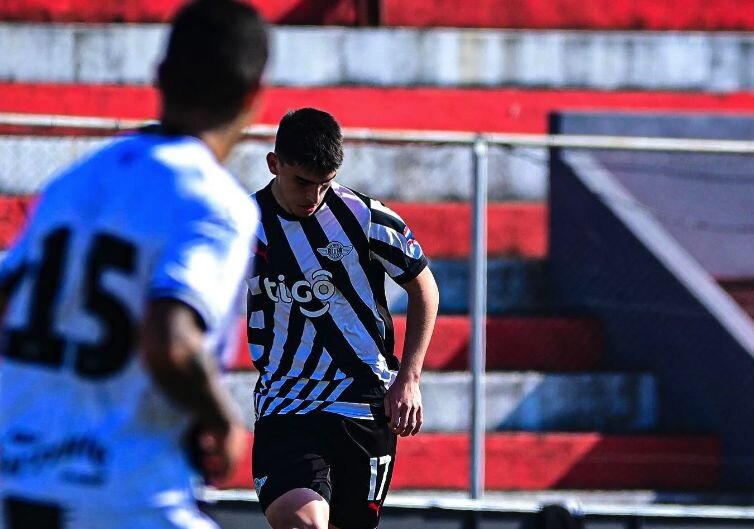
point(558, 416)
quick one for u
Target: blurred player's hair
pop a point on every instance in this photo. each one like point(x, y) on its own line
point(215, 56)
point(310, 138)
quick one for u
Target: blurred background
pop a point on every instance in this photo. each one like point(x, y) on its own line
point(618, 343)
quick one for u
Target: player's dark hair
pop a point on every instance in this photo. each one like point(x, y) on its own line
point(310, 138)
point(215, 55)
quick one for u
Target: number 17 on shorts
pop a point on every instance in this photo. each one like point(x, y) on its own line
point(380, 467)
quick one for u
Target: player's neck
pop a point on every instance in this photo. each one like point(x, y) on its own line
point(220, 139)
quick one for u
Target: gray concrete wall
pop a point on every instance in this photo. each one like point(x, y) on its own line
point(307, 56)
point(390, 172)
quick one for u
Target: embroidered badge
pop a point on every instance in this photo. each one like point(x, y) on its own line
point(335, 251)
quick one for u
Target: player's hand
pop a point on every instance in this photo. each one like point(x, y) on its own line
point(403, 406)
point(219, 451)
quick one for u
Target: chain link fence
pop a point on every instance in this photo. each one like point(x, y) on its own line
point(585, 337)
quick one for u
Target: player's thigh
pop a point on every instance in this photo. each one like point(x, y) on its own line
point(361, 473)
point(298, 508)
point(289, 454)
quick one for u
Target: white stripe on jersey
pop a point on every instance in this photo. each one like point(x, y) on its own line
point(359, 280)
point(388, 235)
point(354, 410)
point(277, 401)
point(304, 349)
point(261, 235)
point(367, 350)
point(256, 319)
point(340, 389)
point(256, 351)
point(318, 389)
point(278, 340)
point(253, 284)
point(324, 362)
point(390, 268)
point(310, 407)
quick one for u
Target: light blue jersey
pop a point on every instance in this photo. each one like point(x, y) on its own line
point(81, 422)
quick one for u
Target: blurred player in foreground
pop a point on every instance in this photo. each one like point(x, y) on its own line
point(119, 291)
point(331, 397)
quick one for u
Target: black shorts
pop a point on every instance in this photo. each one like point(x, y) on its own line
point(349, 462)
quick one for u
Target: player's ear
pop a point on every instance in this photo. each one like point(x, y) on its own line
point(272, 163)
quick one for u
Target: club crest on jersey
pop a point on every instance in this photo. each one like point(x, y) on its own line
point(335, 251)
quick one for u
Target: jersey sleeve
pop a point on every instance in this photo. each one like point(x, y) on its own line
point(393, 245)
point(206, 260)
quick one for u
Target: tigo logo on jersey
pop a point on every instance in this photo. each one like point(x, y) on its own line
point(335, 251)
point(303, 292)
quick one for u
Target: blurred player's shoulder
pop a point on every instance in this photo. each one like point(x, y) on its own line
point(150, 179)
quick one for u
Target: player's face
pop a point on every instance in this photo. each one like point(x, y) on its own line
point(298, 190)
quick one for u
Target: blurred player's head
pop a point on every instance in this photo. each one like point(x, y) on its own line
point(211, 73)
point(308, 154)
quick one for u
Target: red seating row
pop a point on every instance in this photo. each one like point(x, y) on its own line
point(442, 228)
point(342, 12)
point(513, 343)
point(542, 14)
point(497, 110)
point(523, 461)
point(573, 14)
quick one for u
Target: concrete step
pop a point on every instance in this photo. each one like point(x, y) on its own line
point(392, 57)
point(549, 344)
point(523, 401)
point(475, 110)
point(538, 402)
point(525, 461)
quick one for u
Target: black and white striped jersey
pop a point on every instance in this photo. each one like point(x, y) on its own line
point(320, 333)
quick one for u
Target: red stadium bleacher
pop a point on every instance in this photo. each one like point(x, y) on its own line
point(572, 14)
point(473, 110)
point(514, 343)
point(516, 461)
point(532, 14)
point(342, 12)
point(443, 228)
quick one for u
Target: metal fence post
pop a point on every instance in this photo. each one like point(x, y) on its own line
point(478, 315)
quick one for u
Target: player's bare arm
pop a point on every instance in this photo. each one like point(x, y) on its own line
point(172, 346)
point(403, 403)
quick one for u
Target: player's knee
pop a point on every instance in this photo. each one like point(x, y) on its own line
point(298, 521)
point(298, 509)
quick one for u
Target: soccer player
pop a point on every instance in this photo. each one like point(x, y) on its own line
point(331, 398)
point(121, 288)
